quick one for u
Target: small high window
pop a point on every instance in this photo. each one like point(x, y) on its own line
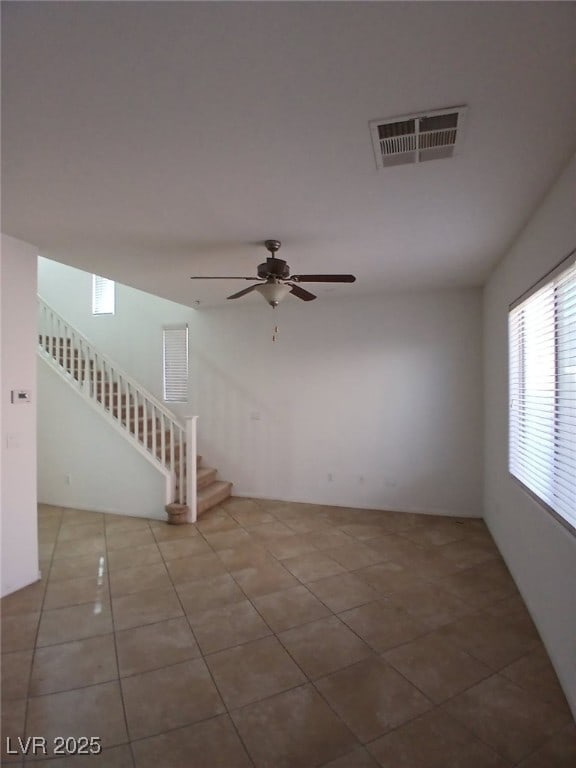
point(103, 295)
point(175, 353)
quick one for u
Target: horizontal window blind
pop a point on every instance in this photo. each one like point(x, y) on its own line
point(175, 346)
point(103, 295)
point(542, 359)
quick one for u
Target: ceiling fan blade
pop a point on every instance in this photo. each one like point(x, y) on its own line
point(301, 293)
point(221, 277)
point(242, 293)
point(323, 278)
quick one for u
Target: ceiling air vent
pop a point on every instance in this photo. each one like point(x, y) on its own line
point(416, 138)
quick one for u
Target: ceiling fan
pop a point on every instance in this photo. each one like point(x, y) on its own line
point(275, 280)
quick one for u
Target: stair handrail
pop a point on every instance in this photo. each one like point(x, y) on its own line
point(95, 371)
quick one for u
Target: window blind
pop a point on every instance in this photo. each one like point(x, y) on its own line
point(175, 346)
point(103, 295)
point(542, 359)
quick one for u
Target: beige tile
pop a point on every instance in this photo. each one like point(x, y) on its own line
point(434, 740)
point(439, 669)
point(228, 625)
point(480, 585)
point(92, 589)
point(382, 626)
point(193, 568)
point(246, 556)
point(290, 608)
point(313, 566)
point(121, 538)
point(12, 720)
point(395, 547)
point(535, 674)
point(74, 623)
point(15, 675)
point(213, 744)
point(114, 757)
point(95, 545)
point(355, 555)
point(438, 533)
point(270, 531)
point(365, 531)
point(204, 594)
point(26, 600)
point(145, 608)
point(19, 631)
point(358, 758)
point(343, 591)
point(169, 698)
point(329, 538)
point(290, 546)
point(559, 751)
point(228, 539)
point(264, 578)
point(372, 698)
point(118, 559)
point(389, 577)
point(249, 516)
point(165, 532)
point(131, 580)
point(216, 522)
point(496, 641)
point(193, 545)
point(469, 552)
point(306, 524)
point(301, 730)
point(505, 717)
point(153, 646)
point(78, 567)
point(323, 646)
point(73, 665)
point(126, 523)
point(69, 532)
point(431, 605)
point(253, 671)
point(80, 516)
point(96, 710)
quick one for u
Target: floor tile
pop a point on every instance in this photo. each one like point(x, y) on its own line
point(313, 566)
point(329, 538)
point(249, 555)
point(372, 698)
point(15, 675)
point(165, 532)
point(343, 591)
point(354, 555)
point(73, 665)
point(439, 669)
point(80, 516)
point(113, 757)
point(12, 719)
point(227, 539)
point(431, 605)
point(121, 538)
point(91, 589)
point(323, 646)
point(133, 557)
point(132, 580)
point(193, 568)
point(19, 631)
point(169, 698)
point(228, 625)
point(290, 608)
point(442, 532)
point(270, 531)
point(27, 600)
point(506, 717)
point(74, 623)
point(217, 522)
point(96, 710)
point(358, 758)
point(253, 671)
point(193, 545)
point(93, 565)
point(364, 532)
point(263, 578)
point(468, 552)
point(153, 646)
point(290, 546)
point(535, 674)
point(434, 740)
point(95, 545)
point(145, 608)
point(389, 577)
point(83, 531)
point(250, 516)
point(480, 585)
point(559, 751)
point(301, 730)
point(204, 594)
point(213, 744)
point(382, 626)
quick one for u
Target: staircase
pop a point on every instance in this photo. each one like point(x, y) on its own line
point(153, 430)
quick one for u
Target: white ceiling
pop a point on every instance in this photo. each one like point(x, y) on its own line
point(151, 141)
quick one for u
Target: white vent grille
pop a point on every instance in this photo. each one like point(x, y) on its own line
point(417, 138)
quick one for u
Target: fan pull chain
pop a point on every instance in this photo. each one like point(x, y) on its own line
point(275, 333)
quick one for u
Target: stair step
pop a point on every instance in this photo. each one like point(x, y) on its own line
point(205, 476)
point(211, 495)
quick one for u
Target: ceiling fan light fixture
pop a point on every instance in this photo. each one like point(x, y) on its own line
point(273, 292)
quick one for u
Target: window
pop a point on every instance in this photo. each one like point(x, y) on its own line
point(542, 437)
point(175, 344)
point(103, 295)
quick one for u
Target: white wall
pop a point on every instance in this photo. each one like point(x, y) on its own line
point(371, 403)
point(539, 551)
point(18, 337)
point(83, 462)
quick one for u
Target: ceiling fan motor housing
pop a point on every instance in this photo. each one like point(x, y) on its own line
point(274, 268)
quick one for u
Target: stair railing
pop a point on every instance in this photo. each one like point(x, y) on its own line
point(141, 417)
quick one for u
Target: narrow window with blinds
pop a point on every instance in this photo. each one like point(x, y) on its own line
point(175, 345)
point(103, 295)
point(542, 358)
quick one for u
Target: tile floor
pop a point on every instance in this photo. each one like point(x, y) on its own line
point(279, 635)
